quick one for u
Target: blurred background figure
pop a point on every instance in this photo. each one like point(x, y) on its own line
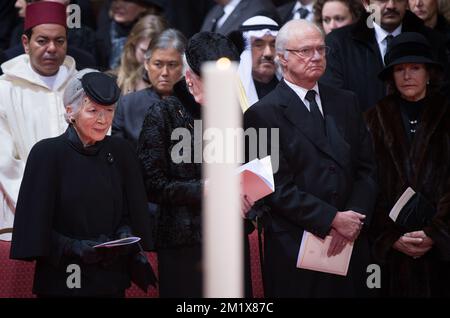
point(299, 9)
point(444, 8)
point(8, 20)
point(429, 12)
point(112, 32)
point(131, 70)
point(163, 67)
point(227, 15)
point(333, 14)
point(411, 131)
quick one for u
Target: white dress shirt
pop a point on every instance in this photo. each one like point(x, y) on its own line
point(228, 9)
point(310, 7)
point(380, 35)
point(301, 92)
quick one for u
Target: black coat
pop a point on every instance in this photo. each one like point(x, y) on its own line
point(355, 59)
point(424, 166)
point(130, 114)
point(80, 193)
point(175, 187)
point(316, 177)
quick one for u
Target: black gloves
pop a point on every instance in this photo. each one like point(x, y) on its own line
point(123, 232)
point(84, 250)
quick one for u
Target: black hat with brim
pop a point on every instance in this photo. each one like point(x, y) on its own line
point(101, 88)
point(408, 47)
point(209, 46)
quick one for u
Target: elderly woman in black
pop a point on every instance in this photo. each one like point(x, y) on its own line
point(177, 187)
point(79, 190)
point(411, 134)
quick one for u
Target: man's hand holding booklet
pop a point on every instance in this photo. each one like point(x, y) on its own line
point(257, 178)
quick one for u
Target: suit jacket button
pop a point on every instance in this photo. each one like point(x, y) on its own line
point(335, 195)
point(332, 169)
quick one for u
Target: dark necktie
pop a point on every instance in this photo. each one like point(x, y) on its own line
point(303, 12)
point(314, 110)
point(389, 39)
point(216, 19)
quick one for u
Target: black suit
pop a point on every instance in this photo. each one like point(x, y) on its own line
point(285, 11)
point(130, 114)
point(318, 175)
point(243, 11)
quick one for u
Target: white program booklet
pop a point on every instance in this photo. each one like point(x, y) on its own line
point(257, 178)
point(124, 241)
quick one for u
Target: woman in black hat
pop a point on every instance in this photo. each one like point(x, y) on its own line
point(411, 135)
point(79, 190)
point(176, 186)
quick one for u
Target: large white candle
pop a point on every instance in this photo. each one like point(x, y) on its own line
point(222, 221)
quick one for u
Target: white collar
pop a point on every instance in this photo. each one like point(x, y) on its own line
point(298, 5)
point(55, 81)
point(301, 92)
point(380, 33)
point(231, 6)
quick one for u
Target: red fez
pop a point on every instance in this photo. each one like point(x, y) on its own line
point(44, 12)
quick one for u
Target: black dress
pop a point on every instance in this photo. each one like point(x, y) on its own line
point(80, 193)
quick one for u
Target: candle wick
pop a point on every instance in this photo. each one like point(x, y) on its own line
point(223, 63)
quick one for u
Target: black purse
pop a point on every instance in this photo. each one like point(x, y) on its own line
point(416, 214)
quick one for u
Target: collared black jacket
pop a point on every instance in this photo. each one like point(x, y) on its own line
point(317, 177)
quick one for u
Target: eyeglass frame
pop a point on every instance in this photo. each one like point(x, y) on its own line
point(298, 52)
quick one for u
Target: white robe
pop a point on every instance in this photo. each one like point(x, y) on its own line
point(29, 112)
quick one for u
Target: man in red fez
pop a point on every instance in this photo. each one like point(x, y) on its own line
point(45, 36)
point(31, 90)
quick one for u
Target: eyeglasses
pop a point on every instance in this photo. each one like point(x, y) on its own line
point(308, 51)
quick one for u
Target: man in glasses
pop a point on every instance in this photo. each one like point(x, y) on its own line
point(325, 181)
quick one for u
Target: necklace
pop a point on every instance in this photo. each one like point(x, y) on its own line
point(413, 125)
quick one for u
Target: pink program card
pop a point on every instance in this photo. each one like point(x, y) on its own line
point(313, 255)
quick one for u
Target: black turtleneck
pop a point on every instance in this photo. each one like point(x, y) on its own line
point(76, 143)
point(262, 89)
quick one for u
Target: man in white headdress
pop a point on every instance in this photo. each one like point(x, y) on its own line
point(257, 67)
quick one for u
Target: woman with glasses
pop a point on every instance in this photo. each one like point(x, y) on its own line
point(79, 190)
